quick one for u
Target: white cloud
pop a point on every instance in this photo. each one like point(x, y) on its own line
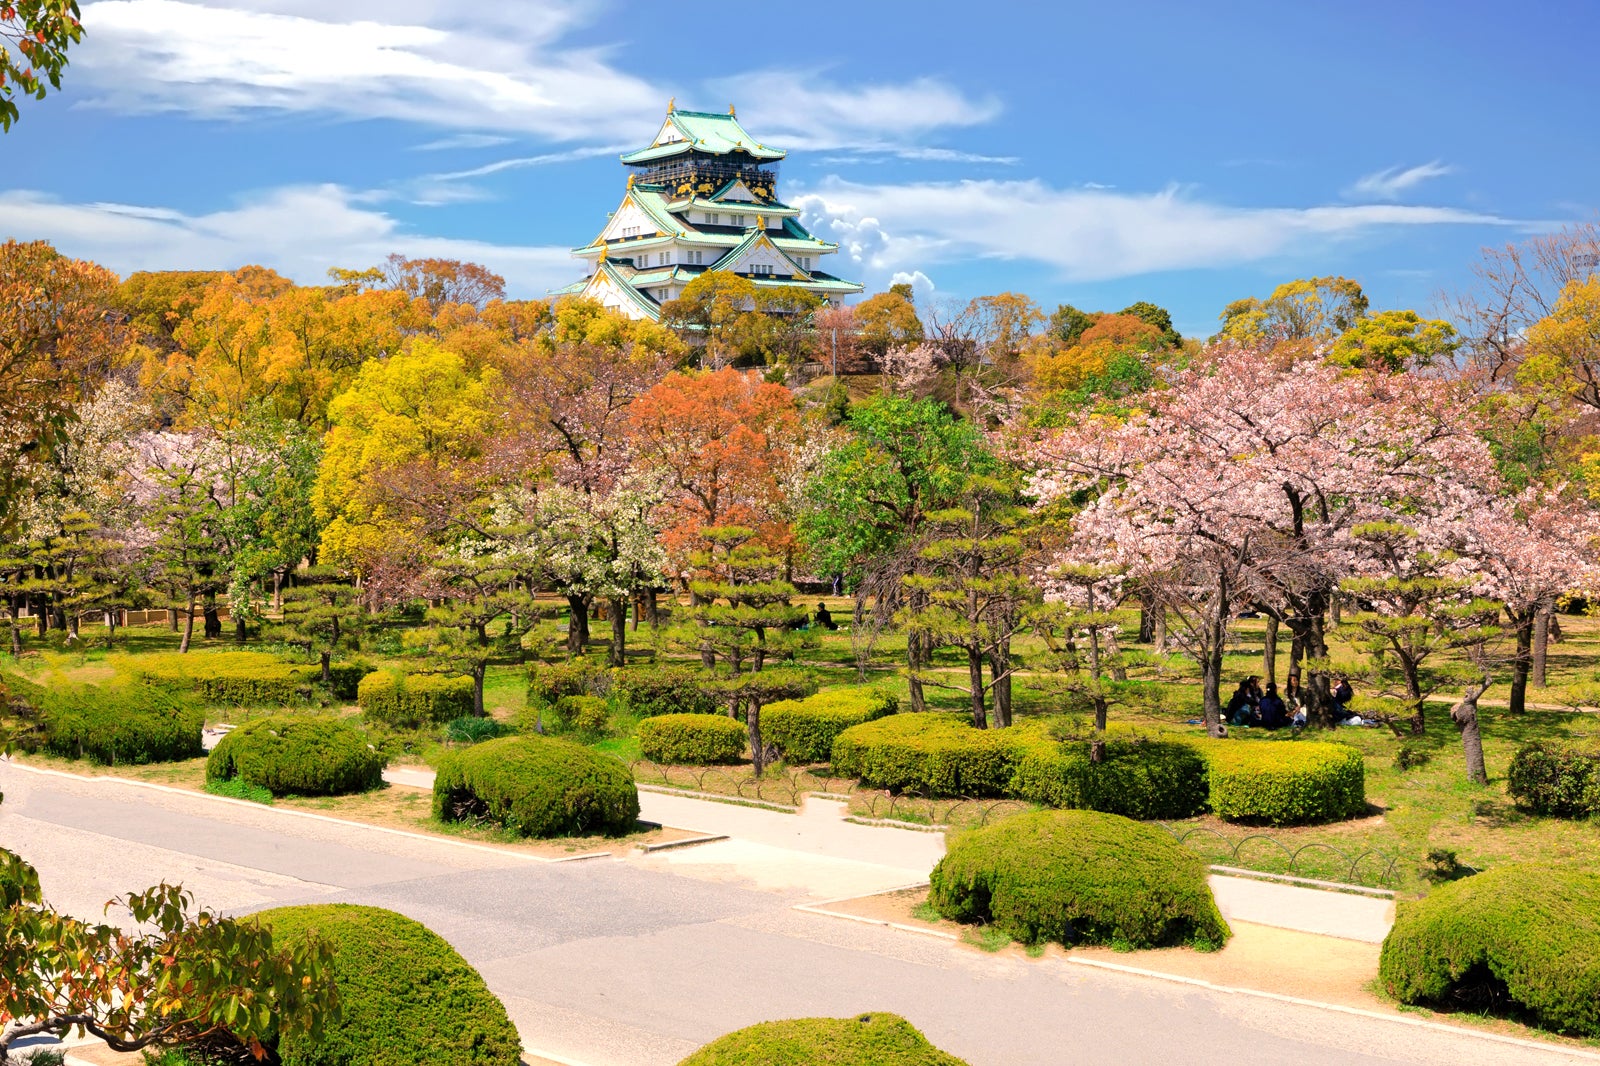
point(541, 160)
point(299, 231)
point(1389, 184)
point(488, 69)
point(462, 141)
point(1084, 234)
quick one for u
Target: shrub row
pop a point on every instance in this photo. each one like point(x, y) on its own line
point(1286, 782)
point(406, 997)
point(408, 701)
point(235, 678)
point(692, 739)
point(1529, 932)
point(663, 690)
point(307, 756)
point(1137, 777)
point(549, 682)
point(940, 754)
point(1279, 782)
point(1079, 877)
point(804, 730)
point(1559, 779)
point(865, 1040)
point(123, 723)
point(536, 787)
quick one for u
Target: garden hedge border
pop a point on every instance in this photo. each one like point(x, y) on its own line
point(411, 701)
point(804, 730)
point(536, 787)
point(692, 739)
point(312, 755)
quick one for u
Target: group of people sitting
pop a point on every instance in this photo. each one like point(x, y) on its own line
point(1265, 708)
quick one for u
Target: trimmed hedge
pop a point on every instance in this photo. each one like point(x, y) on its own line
point(1136, 777)
point(649, 691)
point(1079, 877)
point(536, 787)
point(865, 1040)
point(407, 998)
point(1528, 931)
point(691, 739)
point(344, 679)
point(310, 756)
point(938, 754)
point(1286, 782)
point(1559, 779)
point(126, 723)
point(410, 701)
point(584, 715)
point(234, 678)
point(804, 730)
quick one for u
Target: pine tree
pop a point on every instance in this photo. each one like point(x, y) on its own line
point(321, 614)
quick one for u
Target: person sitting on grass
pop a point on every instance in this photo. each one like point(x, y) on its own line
point(1272, 711)
point(1242, 704)
point(823, 618)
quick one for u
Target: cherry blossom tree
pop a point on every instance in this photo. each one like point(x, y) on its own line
point(1243, 483)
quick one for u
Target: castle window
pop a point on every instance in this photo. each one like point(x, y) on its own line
point(713, 219)
point(761, 270)
point(736, 220)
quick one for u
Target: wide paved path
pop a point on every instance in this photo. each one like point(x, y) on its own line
point(631, 963)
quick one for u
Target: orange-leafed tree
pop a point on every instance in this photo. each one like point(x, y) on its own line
point(723, 442)
point(56, 342)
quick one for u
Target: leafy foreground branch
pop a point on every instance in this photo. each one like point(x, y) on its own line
point(184, 977)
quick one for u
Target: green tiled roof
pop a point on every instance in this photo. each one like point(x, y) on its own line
point(705, 132)
point(770, 208)
point(753, 238)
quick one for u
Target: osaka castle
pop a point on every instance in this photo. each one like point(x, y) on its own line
point(702, 196)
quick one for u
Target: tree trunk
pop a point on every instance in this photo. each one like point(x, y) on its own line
point(1159, 630)
point(1296, 652)
point(188, 626)
point(239, 632)
point(172, 619)
point(619, 630)
point(1541, 647)
point(1147, 618)
point(980, 713)
point(1521, 663)
point(1465, 716)
point(327, 668)
point(651, 613)
point(1211, 665)
point(915, 657)
point(1000, 683)
point(1555, 628)
point(479, 668)
point(1334, 608)
point(752, 725)
point(577, 624)
point(1269, 651)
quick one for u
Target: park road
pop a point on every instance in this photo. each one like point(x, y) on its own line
point(624, 963)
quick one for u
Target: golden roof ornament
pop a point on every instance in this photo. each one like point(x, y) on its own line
point(732, 112)
point(672, 105)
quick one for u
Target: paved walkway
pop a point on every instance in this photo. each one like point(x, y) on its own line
point(819, 853)
point(624, 963)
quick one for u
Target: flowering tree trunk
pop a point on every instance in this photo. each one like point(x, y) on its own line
point(1465, 716)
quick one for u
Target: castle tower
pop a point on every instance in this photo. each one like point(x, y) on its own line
point(703, 195)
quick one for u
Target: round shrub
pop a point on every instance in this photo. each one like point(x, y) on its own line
point(407, 998)
point(536, 787)
point(691, 739)
point(804, 730)
point(865, 1040)
point(585, 715)
point(313, 756)
point(1529, 933)
point(122, 723)
point(1137, 777)
point(935, 754)
point(410, 701)
point(1560, 779)
point(548, 682)
point(649, 691)
point(1287, 782)
point(1079, 877)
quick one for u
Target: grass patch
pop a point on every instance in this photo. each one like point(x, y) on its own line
point(239, 789)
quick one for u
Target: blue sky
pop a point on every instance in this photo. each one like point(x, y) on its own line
point(1091, 154)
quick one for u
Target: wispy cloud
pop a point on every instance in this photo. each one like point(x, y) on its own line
point(300, 231)
point(1389, 184)
point(1085, 234)
point(462, 141)
point(543, 160)
point(485, 70)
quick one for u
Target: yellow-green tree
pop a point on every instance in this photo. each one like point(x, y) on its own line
point(1304, 309)
point(1394, 341)
point(401, 452)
